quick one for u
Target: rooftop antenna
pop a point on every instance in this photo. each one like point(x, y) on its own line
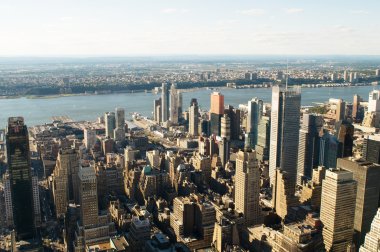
point(287, 73)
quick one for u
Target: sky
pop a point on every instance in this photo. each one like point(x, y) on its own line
point(188, 27)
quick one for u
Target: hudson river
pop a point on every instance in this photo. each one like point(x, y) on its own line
point(89, 107)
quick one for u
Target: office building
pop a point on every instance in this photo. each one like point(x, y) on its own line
point(110, 123)
point(309, 145)
point(330, 150)
point(285, 116)
point(247, 187)
point(371, 149)
point(345, 76)
point(194, 118)
point(225, 127)
point(337, 109)
point(174, 104)
point(338, 209)
point(255, 108)
point(356, 108)
point(374, 101)
point(139, 233)
point(164, 102)
point(216, 112)
point(234, 115)
point(89, 137)
point(17, 142)
point(367, 177)
point(263, 139)
point(157, 110)
point(344, 132)
point(120, 117)
point(284, 197)
point(372, 238)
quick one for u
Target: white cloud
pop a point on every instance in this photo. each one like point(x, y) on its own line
point(294, 10)
point(169, 10)
point(174, 10)
point(67, 18)
point(359, 12)
point(252, 12)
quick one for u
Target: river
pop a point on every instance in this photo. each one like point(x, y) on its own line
point(89, 107)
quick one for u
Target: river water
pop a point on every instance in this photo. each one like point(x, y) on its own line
point(89, 107)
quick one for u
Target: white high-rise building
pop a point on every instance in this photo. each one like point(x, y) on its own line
point(374, 101)
point(285, 124)
point(194, 118)
point(372, 239)
point(89, 137)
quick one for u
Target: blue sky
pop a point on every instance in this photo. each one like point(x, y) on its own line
point(176, 27)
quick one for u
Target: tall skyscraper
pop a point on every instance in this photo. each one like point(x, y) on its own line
point(371, 149)
point(247, 187)
point(88, 195)
point(344, 132)
point(309, 145)
point(157, 110)
point(367, 177)
point(65, 172)
point(374, 101)
point(216, 112)
point(338, 209)
point(285, 117)
point(194, 118)
point(225, 127)
point(120, 117)
point(372, 238)
point(345, 76)
point(18, 155)
point(255, 108)
point(337, 109)
point(89, 137)
point(110, 123)
point(165, 102)
point(355, 107)
point(174, 104)
point(263, 139)
point(330, 150)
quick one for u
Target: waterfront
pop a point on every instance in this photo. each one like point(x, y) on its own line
point(89, 107)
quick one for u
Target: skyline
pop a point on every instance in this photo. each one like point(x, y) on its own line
point(149, 28)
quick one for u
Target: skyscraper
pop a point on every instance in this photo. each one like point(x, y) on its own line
point(330, 150)
point(157, 110)
point(194, 118)
point(255, 108)
point(309, 145)
point(120, 117)
point(371, 149)
point(355, 107)
point(344, 132)
point(216, 112)
point(65, 172)
point(372, 238)
point(367, 177)
point(338, 209)
point(247, 187)
point(89, 137)
point(263, 139)
point(374, 101)
point(20, 177)
point(165, 103)
point(285, 116)
point(225, 127)
point(174, 104)
point(110, 123)
point(234, 115)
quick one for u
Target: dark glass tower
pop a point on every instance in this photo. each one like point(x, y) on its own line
point(20, 176)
